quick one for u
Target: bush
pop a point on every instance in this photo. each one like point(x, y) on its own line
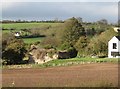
point(13, 50)
point(81, 45)
point(48, 46)
point(72, 52)
point(49, 42)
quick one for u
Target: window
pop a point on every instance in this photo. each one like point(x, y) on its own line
point(114, 54)
point(114, 46)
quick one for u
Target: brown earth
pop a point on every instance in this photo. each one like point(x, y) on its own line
point(97, 75)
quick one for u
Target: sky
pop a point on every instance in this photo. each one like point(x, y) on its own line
point(38, 10)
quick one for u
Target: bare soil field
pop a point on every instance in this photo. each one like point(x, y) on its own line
point(87, 75)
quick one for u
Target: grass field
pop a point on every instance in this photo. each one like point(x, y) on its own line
point(18, 26)
point(32, 40)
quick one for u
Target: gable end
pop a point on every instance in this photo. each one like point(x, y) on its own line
point(118, 37)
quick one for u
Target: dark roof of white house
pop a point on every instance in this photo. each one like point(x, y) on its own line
point(118, 37)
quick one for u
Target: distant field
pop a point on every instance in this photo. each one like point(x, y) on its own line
point(18, 26)
point(32, 40)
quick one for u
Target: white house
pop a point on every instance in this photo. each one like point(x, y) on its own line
point(114, 47)
point(17, 34)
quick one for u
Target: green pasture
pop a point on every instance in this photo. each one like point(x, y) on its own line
point(18, 26)
point(5, 31)
point(32, 40)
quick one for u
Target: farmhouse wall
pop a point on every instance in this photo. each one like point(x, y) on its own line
point(110, 47)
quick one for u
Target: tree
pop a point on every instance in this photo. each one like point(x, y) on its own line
point(99, 44)
point(79, 19)
point(50, 42)
point(81, 45)
point(73, 30)
point(13, 49)
point(90, 32)
point(97, 47)
point(103, 21)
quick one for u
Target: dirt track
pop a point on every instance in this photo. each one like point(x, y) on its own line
point(72, 76)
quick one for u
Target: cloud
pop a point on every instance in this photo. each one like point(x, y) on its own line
point(9, 5)
point(6, 5)
point(93, 10)
point(90, 11)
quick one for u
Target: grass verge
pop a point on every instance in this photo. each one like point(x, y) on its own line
point(64, 62)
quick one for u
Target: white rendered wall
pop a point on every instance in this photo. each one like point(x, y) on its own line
point(110, 47)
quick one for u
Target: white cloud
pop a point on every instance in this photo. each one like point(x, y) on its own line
point(6, 5)
point(105, 10)
point(109, 10)
point(90, 11)
point(93, 8)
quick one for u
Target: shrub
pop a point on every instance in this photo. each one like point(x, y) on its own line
point(13, 50)
point(72, 52)
point(81, 45)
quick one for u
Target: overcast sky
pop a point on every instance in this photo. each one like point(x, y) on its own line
point(89, 11)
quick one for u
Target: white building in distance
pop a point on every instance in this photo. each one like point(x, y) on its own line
point(17, 34)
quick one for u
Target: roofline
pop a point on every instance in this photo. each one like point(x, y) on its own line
point(113, 37)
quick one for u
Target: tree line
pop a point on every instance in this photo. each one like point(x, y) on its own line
point(32, 21)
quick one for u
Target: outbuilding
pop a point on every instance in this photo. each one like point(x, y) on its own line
point(17, 34)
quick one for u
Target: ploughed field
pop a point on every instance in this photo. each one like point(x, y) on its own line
point(82, 75)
